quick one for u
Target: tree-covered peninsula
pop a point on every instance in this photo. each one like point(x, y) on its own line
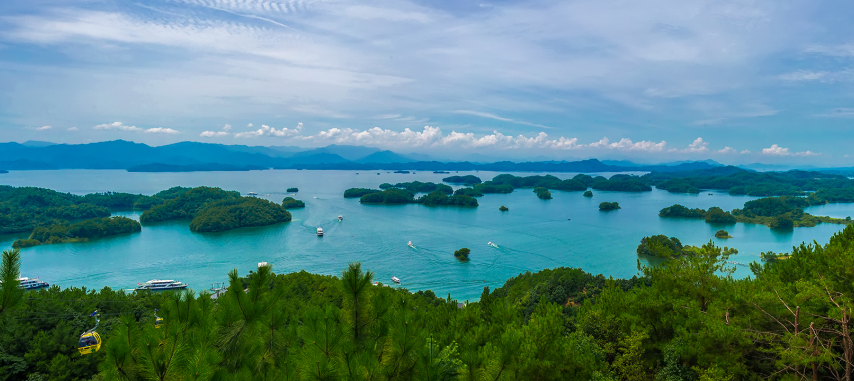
point(238, 212)
point(79, 232)
point(292, 203)
point(783, 212)
point(687, 318)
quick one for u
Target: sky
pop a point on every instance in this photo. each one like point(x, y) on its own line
point(655, 80)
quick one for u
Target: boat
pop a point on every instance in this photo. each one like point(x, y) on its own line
point(340, 218)
point(320, 232)
point(161, 285)
point(411, 245)
point(401, 171)
point(491, 244)
point(252, 194)
point(32, 284)
point(395, 279)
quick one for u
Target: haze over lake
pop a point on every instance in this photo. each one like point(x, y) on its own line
point(568, 230)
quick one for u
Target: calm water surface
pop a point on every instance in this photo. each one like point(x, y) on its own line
point(535, 234)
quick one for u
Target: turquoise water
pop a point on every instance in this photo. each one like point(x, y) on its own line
point(535, 234)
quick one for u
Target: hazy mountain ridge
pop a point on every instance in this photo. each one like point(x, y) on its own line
point(184, 156)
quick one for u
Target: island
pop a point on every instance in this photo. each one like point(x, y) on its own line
point(737, 181)
point(404, 196)
point(467, 180)
point(503, 208)
point(620, 183)
point(399, 171)
point(671, 248)
point(607, 206)
point(784, 212)
point(22, 209)
point(358, 192)
point(293, 190)
point(292, 203)
point(543, 193)
point(471, 192)
point(462, 254)
point(238, 212)
point(587, 193)
point(3, 171)
point(441, 172)
point(722, 234)
point(186, 203)
point(419, 187)
point(81, 231)
point(210, 167)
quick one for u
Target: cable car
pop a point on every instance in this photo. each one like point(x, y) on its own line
point(158, 321)
point(90, 341)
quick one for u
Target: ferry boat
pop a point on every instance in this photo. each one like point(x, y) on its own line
point(395, 279)
point(32, 284)
point(161, 285)
point(340, 218)
point(320, 232)
point(252, 194)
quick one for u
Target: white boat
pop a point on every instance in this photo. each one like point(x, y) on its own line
point(320, 232)
point(492, 244)
point(395, 279)
point(32, 284)
point(161, 285)
point(410, 244)
point(340, 218)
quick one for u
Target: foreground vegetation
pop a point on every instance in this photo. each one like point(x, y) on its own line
point(685, 319)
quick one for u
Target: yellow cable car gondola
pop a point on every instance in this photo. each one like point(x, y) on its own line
point(158, 321)
point(90, 341)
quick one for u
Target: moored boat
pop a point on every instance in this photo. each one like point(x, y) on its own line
point(32, 283)
point(161, 285)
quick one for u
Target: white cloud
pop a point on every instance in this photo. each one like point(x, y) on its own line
point(776, 150)
point(73, 129)
point(727, 150)
point(697, 146)
point(43, 128)
point(209, 134)
point(161, 130)
point(226, 128)
point(266, 130)
point(249, 125)
point(116, 126)
point(626, 144)
point(745, 152)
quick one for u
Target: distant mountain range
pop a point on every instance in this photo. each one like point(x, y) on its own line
point(195, 156)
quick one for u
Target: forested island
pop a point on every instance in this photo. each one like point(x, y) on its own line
point(238, 212)
point(3, 171)
point(687, 316)
point(663, 247)
point(543, 193)
point(82, 231)
point(783, 212)
point(737, 181)
point(467, 180)
point(292, 203)
point(607, 206)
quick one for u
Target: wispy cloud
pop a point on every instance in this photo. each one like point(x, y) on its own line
point(270, 131)
point(496, 117)
point(837, 113)
point(117, 126)
point(73, 129)
point(161, 130)
point(43, 128)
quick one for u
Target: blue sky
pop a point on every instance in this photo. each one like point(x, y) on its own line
point(734, 81)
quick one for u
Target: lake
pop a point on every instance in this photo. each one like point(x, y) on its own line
point(534, 234)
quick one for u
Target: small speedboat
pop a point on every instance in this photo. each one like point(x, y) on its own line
point(395, 279)
point(492, 244)
point(340, 218)
point(161, 285)
point(320, 232)
point(410, 244)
